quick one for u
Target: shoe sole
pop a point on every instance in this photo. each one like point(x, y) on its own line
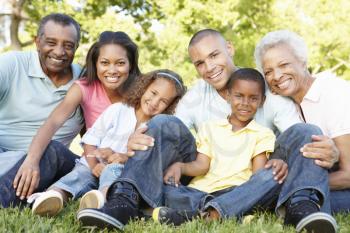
point(93, 199)
point(318, 222)
point(94, 218)
point(155, 214)
point(48, 206)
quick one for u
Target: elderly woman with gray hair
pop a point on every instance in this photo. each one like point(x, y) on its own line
point(323, 101)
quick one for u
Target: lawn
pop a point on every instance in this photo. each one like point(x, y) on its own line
point(16, 220)
point(21, 220)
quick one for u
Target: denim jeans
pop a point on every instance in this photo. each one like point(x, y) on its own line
point(188, 198)
point(261, 189)
point(145, 172)
point(9, 159)
point(340, 201)
point(56, 162)
point(173, 143)
point(81, 180)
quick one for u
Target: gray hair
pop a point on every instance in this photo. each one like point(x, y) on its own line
point(58, 18)
point(272, 39)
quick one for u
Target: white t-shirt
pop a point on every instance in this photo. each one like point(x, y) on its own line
point(203, 103)
point(111, 129)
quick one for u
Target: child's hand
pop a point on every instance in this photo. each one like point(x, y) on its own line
point(173, 174)
point(115, 158)
point(100, 154)
point(97, 170)
point(280, 169)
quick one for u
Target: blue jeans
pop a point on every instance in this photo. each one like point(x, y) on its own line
point(173, 143)
point(81, 180)
point(145, 171)
point(9, 159)
point(261, 190)
point(56, 162)
point(340, 201)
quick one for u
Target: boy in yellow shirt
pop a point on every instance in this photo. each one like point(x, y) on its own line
point(230, 151)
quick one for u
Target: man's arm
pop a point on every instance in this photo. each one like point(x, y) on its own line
point(28, 175)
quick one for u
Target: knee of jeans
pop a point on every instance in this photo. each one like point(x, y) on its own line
point(161, 119)
point(54, 144)
point(52, 148)
point(263, 175)
point(305, 129)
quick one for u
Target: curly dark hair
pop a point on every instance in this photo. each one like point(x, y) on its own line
point(133, 96)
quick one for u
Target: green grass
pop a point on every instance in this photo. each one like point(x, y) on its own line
point(21, 220)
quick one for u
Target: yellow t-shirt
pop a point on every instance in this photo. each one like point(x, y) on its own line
point(231, 153)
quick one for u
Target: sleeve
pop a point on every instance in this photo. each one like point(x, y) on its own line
point(203, 140)
point(83, 88)
point(8, 64)
point(337, 118)
point(284, 111)
point(99, 129)
point(265, 142)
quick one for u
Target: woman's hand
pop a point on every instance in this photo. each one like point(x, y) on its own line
point(323, 150)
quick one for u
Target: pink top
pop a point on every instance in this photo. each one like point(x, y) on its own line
point(94, 102)
point(326, 104)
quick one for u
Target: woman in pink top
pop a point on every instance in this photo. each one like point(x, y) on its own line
point(111, 66)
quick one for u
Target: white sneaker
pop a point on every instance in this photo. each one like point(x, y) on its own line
point(48, 203)
point(92, 199)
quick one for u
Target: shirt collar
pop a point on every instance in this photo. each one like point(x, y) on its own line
point(34, 69)
point(315, 91)
point(251, 126)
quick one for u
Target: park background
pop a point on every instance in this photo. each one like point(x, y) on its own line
point(162, 30)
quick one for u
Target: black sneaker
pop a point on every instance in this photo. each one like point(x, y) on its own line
point(122, 206)
point(305, 215)
point(170, 216)
point(318, 222)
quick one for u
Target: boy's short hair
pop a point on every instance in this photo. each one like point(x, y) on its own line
point(248, 74)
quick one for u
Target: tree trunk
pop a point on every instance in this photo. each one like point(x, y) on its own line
point(16, 18)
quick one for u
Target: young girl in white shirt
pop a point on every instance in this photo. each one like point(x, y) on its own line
point(151, 94)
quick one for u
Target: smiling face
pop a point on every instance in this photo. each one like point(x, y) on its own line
point(56, 47)
point(112, 66)
point(283, 71)
point(212, 57)
point(158, 96)
point(245, 98)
